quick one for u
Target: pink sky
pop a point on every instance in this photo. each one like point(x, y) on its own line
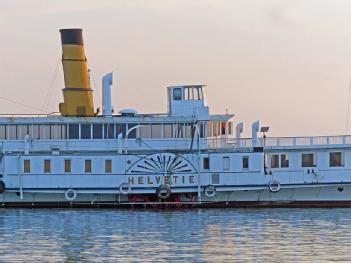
point(287, 63)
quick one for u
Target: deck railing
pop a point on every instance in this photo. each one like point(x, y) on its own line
point(279, 141)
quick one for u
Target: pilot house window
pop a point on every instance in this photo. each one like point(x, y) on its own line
point(177, 94)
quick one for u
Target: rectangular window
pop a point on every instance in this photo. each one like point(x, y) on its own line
point(308, 160)
point(230, 127)
point(34, 132)
point(2, 132)
point(88, 166)
point(85, 131)
point(67, 166)
point(156, 130)
point(109, 131)
point(167, 130)
point(178, 130)
point(284, 160)
point(11, 135)
point(223, 128)
point(47, 166)
point(215, 179)
point(97, 131)
point(120, 129)
point(189, 130)
point(177, 94)
point(133, 133)
point(336, 159)
point(145, 131)
point(226, 163)
point(73, 131)
point(108, 166)
point(26, 166)
point(275, 161)
point(245, 162)
point(55, 131)
point(22, 131)
point(44, 132)
point(206, 163)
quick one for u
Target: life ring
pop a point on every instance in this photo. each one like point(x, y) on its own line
point(2, 187)
point(125, 188)
point(164, 191)
point(274, 186)
point(210, 191)
point(70, 194)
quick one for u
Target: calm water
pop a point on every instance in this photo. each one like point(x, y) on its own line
point(203, 235)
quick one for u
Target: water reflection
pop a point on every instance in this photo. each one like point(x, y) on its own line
point(272, 235)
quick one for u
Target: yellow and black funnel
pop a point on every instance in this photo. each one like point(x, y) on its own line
point(77, 94)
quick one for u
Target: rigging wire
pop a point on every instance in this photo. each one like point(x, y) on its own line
point(348, 109)
point(21, 104)
point(49, 92)
point(94, 84)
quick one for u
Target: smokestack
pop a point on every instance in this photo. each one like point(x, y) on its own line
point(106, 95)
point(77, 94)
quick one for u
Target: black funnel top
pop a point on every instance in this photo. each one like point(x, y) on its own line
point(72, 36)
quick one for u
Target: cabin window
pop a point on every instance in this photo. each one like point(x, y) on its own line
point(44, 132)
point(178, 130)
point(2, 132)
point(133, 133)
point(120, 129)
point(67, 166)
point(188, 130)
point(34, 132)
point(167, 130)
point(47, 166)
point(73, 131)
point(26, 166)
point(177, 94)
point(88, 166)
point(215, 179)
point(156, 130)
point(275, 161)
point(85, 131)
point(226, 163)
point(336, 159)
point(109, 131)
point(22, 131)
point(108, 166)
point(56, 131)
point(284, 161)
point(145, 131)
point(308, 160)
point(206, 163)
point(12, 132)
point(245, 162)
point(97, 131)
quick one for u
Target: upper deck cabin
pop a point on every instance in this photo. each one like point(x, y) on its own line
point(187, 118)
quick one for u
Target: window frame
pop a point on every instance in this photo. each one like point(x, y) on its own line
point(314, 163)
point(47, 166)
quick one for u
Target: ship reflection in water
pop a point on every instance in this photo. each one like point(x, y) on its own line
point(272, 235)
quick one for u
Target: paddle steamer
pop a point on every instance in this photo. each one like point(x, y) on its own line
point(186, 157)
